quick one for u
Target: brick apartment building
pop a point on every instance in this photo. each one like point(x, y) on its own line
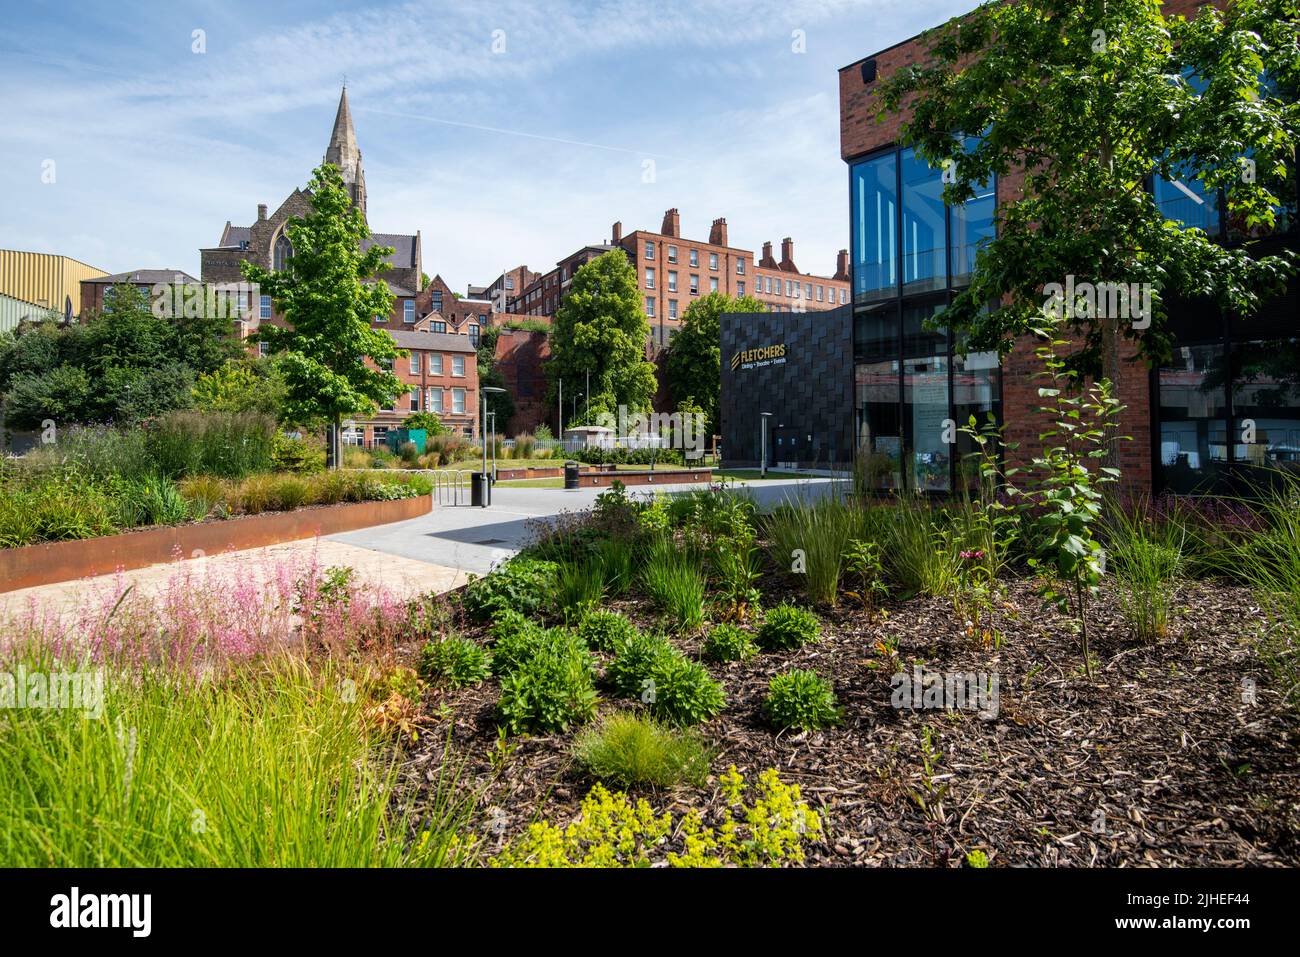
point(507, 286)
point(673, 271)
point(441, 373)
point(93, 291)
point(1183, 417)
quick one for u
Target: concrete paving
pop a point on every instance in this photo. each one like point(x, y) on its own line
point(477, 539)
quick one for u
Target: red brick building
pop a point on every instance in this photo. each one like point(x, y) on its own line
point(673, 271)
point(520, 354)
point(441, 372)
point(911, 253)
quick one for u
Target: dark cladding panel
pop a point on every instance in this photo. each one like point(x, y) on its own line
point(799, 367)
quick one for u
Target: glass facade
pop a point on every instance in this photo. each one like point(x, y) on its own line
point(911, 252)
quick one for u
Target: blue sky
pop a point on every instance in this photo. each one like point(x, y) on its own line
point(500, 158)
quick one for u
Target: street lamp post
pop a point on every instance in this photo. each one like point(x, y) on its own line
point(483, 488)
point(762, 444)
point(492, 417)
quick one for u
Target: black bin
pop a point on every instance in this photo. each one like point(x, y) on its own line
point(570, 474)
point(480, 489)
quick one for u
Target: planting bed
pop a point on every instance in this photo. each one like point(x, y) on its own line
point(1155, 761)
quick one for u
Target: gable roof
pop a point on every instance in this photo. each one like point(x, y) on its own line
point(150, 276)
point(442, 341)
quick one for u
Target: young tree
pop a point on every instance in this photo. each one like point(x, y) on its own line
point(694, 363)
point(328, 295)
point(599, 335)
point(1091, 99)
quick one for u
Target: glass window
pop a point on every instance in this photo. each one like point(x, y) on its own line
point(977, 391)
point(473, 336)
point(672, 280)
point(713, 284)
point(650, 277)
point(672, 254)
point(972, 226)
point(266, 307)
point(925, 403)
point(1185, 199)
point(437, 300)
point(880, 434)
point(740, 289)
point(649, 307)
point(415, 400)
point(1266, 403)
point(408, 310)
point(415, 363)
point(435, 363)
point(695, 257)
point(1193, 417)
point(875, 332)
point(713, 260)
point(649, 250)
point(873, 196)
point(918, 340)
point(672, 308)
point(924, 215)
point(807, 290)
point(435, 400)
point(820, 292)
point(458, 400)
point(458, 365)
point(439, 326)
point(740, 267)
point(695, 285)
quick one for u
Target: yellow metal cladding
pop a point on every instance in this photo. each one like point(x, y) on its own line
point(44, 279)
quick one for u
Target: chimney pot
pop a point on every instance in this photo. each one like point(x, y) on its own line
point(616, 234)
point(672, 225)
point(718, 234)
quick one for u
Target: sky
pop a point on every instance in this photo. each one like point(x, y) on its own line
point(506, 132)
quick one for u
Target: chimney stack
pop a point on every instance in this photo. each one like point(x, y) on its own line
point(718, 233)
point(767, 259)
point(672, 224)
point(261, 212)
point(842, 265)
point(787, 255)
point(616, 235)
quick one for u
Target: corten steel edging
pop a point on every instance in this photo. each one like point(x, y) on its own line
point(674, 477)
point(52, 562)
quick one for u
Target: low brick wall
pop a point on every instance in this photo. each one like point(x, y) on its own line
point(672, 477)
point(64, 561)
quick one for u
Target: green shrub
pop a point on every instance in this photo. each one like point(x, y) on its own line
point(604, 630)
point(627, 750)
point(525, 585)
point(634, 656)
point(514, 639)
point(729, 642)
point(552, 689)
point(290, 492)
point(813, 537)
point(579, 586)
point(786, 627)
point(802, 700)
point(305, 454)
point(458, 661)
point(681, 691)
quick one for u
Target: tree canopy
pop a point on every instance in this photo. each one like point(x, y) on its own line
point(600, 331)
point(693, 366)
point(1092, 99)
point(329, 296)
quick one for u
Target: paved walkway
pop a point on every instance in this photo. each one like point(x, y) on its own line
point(477, 539)
point(432, 553)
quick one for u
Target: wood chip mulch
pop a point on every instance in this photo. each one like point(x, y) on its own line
point(1177, 753)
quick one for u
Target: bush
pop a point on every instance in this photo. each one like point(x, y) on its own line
point(579, 586)
point(457, 661)
point(801, 700)
point(787, 627)
point(552, 689)
point(627, 750)
point(211, 443)
point(634, 656)
point(729, 642)
point(820, 533)
point(681, 691)
point(525, 585)
point(604, 630)
point(515, 638)
point(298, 455)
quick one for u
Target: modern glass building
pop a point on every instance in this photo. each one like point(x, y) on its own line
point(1225, 403)
point(910, 253)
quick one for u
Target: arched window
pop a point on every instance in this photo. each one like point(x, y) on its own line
point(283, 251)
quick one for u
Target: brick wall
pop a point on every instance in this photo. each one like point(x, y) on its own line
point(519, 358)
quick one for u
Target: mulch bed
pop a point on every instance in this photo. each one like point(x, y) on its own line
point(1161, 759)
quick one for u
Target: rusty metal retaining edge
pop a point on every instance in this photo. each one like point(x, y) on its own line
point(64, 561)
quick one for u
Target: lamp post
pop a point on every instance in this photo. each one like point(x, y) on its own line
point(575, 407)
point(483, 489)
point(492, 418)
point(762, 444)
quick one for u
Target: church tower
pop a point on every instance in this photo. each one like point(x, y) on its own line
point(344, 153)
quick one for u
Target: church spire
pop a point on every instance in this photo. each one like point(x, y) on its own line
point(344, 153)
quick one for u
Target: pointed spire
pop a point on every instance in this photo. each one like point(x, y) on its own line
point(343, 151)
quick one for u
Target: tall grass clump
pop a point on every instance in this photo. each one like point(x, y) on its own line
point(920, 554)
point(268, 768)
point(811, 538)
point(629, 750)
point(1146, 562)
point(674, 579)
point(212, 443)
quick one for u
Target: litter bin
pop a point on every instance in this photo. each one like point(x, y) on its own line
point(480, 489)
point(570, 474)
